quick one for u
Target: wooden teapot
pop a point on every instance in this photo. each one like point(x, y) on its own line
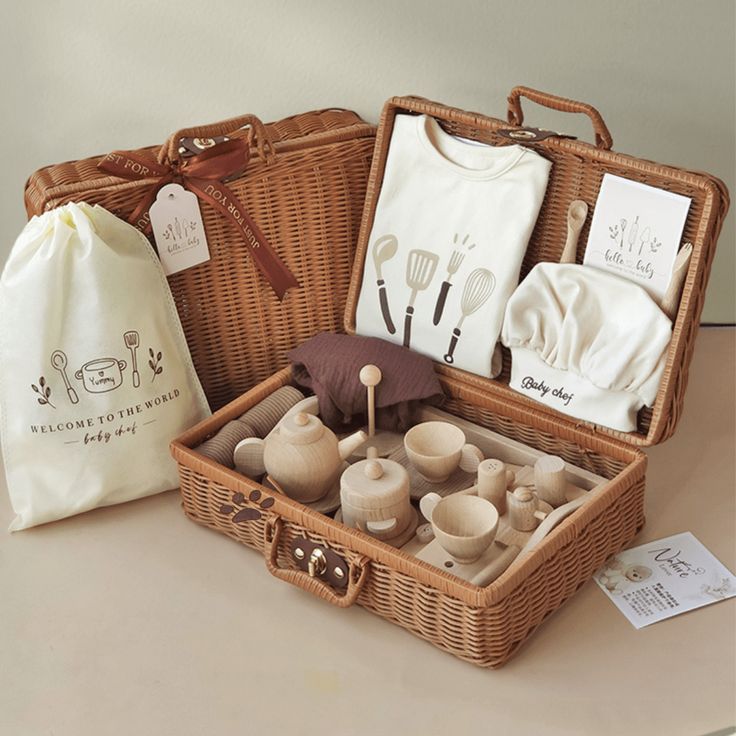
point(305, 458)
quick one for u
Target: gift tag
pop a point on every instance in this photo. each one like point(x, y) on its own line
point(178, 229)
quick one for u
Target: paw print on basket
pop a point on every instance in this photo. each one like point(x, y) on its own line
point(246, 512)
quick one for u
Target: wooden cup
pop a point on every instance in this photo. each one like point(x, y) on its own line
point(465, 526)
point(434, 449)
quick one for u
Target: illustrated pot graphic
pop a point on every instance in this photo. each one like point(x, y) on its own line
point(101, 375)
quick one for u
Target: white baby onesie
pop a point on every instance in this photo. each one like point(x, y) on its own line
point(452, 223)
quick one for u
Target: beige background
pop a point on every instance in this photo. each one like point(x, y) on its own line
point(82, 78)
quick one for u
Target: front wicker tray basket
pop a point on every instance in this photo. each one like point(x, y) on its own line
point(483, 625)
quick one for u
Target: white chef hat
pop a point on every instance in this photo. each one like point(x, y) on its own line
point(586, 342)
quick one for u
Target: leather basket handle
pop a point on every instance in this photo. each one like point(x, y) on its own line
point(603, 139)
point(248, 126)
point(357, 574)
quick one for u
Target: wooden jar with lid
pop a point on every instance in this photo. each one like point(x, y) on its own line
point(374, 496)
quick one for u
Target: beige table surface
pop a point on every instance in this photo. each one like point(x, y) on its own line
point(132, 620)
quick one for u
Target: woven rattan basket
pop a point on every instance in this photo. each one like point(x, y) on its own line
point(483, 625)
point(304, 186)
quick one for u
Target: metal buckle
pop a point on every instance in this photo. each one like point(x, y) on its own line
point(531, 135)
point(320, 562)
point(317, 563)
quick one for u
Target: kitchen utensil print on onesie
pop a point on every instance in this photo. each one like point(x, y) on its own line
point(477, 291)
point(132, 342)
point(384, 249)
point(456, 260)
point(420, 268)
point(60, 362)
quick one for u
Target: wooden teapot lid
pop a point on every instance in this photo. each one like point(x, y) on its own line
point(301, 429)
point(374, 483)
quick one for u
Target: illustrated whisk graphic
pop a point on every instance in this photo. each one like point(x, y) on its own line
point(477, 291)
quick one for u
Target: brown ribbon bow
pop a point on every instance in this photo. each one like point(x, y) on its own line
point(203, 175)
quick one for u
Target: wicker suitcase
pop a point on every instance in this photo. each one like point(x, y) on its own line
point(483, 625)
point(304, 186)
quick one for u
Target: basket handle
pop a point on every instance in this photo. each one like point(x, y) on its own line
point(249, 126)
point(357, 573)
point(603, 139)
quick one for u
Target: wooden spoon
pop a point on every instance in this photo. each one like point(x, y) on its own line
point(671, 299)
point(576, 214)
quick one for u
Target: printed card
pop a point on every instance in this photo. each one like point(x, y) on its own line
point(178, 229)
point(662, 579)
point(636, 231)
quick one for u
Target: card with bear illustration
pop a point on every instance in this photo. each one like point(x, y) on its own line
point(664, 578)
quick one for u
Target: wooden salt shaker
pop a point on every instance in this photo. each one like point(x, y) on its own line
point(492, 481)
point(523, 513)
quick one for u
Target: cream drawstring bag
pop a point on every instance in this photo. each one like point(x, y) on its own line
point(95, 374)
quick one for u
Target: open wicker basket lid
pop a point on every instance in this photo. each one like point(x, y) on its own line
point(577, 172)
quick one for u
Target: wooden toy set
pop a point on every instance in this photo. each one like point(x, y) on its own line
point(482, 513)
point(484, 493)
